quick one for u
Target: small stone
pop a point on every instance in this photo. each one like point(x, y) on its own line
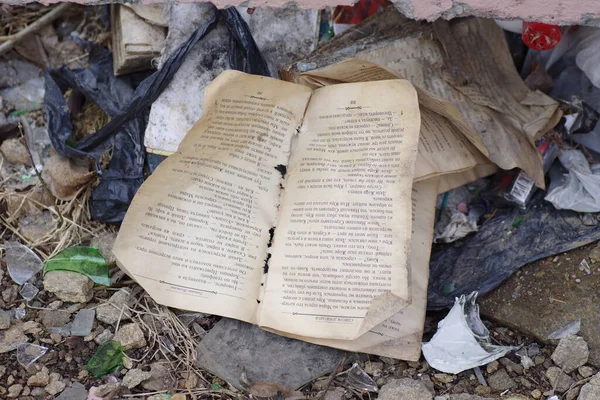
point(11, 338)
point(2, 370)
point(134, 377)
point(539, 360)
point(130, 336)
point(75, 392)
point(14, 390)
point(82, 374)
point(444, 378)
point(104, 336)
point(335, 394)
point(4, 319)
point(191, 382)
point(114, 308)
point(586, 371)
point(591, 390)
point(374, 369)
point(56, 385)
point(55, 305)
point(40, 379)
point(127, 362)
point(501, 381)
point(104, 243)
point(428, 383)
point(512, 366)
point(32, 328)
point(571, 353)
point(15, 152)
point(69, 286)
point(37, 392)
point(482, 390)
point(10, 380)
point(405, 389)
point(536, 394)
point(161, 378)
point(492, 367)
point(56, 337)
point(25, 392)
point(572, 394)
point(107, 388)
point(559, 381)
point(389, 361)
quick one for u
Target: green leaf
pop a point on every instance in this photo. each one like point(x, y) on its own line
point(84, 260)
point(108, 357)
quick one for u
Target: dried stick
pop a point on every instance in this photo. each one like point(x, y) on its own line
point(34, 27)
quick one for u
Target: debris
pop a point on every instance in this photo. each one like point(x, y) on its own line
point(134, 377)
point(28, 96)
point(135, 42)
point(571, 353)
point(160, 379)
point(69, 286)
point(40, 379)
point(585, 266)
point(359, 379)
point(581, 190)
point(28, 353)
point(83, 322)
point(572, 328)
point(560, 381)
point(501, 381)
point(230, 348)
point(405, 389)
point(83, 260)
point(21, 262)
point(28, 291)
point(108, 357)
point(462, 341)
point(114, 308)
point(456, 269)
point(34, 27)
point(459, 226)
point(130, 336)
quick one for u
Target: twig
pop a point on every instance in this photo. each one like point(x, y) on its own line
point(34, 27)
point(331, 376)
point(24, 126)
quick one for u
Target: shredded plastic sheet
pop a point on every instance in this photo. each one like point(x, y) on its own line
point(462, 341)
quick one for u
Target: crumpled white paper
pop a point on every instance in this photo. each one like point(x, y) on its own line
point(462, 341)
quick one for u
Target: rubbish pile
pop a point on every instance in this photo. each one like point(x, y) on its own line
point(286, 203)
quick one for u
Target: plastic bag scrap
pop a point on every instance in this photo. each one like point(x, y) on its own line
point(581, 190)
point(485, 259)
point(127, 104)
point(462, 341)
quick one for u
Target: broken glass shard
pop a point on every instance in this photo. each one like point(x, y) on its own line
point(84, 260)
point(108, 357)
point(28, 291)
point(83, 322)
point(22, 263)
point(20, 313)
point(359, 379)
point(28, 353)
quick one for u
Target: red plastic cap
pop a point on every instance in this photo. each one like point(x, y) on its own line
point(540, 36)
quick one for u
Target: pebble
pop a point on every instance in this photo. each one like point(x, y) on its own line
point(104, 336)
point(571, 353)
point(40, 379)
point(161, 378)
point(11, 338)
point(375, 369)
point(107, 388)
point(444, 378)
point(559, 381)
point(130, 336)
point(14, 390)
point(69, 286)
point(405, 389)
point(492, 367)
point(110, 312)
point(56, 385)
point(134, 377)
point(335, 394)
point(4, 319)
point(501, 381)
point(75, 392)
point(585, 371)
point(536, 394)
point(591, 390)
point(512, 366)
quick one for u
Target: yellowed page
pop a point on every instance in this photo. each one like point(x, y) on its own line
point(400, 336)
point(196, 234)
point(342, 242)
point(447, 145)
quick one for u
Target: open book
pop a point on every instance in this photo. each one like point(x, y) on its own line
point(332, 170)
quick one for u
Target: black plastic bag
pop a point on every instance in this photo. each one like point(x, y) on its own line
point(128, 103)
point(505, 243)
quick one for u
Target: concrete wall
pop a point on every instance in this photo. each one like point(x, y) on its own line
point(563, 12)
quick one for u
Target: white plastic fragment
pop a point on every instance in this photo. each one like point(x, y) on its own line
point(28, 353)
point(462, 341)
point(571, 328)
point(22, 263)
